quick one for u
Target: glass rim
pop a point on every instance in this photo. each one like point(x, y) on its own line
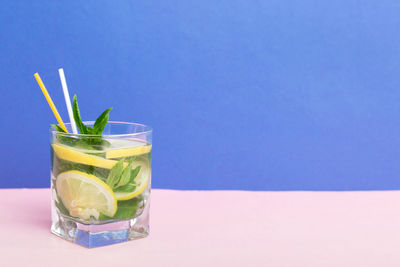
point(147, 130)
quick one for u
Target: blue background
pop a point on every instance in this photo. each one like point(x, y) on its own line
point(242, 94)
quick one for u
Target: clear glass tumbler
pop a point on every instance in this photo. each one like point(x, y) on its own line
point(101, 184)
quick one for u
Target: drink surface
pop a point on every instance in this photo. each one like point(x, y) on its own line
point(102, 183)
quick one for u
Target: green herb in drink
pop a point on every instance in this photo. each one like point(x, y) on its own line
point(121, 179)
point(94, 140)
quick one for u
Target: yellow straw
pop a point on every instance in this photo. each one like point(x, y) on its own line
point(51, 104)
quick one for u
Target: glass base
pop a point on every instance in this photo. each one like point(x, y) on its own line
point(97, 235)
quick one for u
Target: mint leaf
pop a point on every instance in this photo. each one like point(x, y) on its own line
point(95, 142)
point(126, 209)
point(134, 173)
point(101, 122)
point(77, 116)
point(126, 175)
point(115, 174)
point(126, 188)
point(89, 130)
point(58, 128)
point(82, 143)
point(63, 139)
point(67, 140)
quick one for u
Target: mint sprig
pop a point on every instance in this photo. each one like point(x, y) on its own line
point(115, 174)
point(134, 173)
point(87, 142)
point(101, 122)
point(126, 209)
point(121, 179)
point(126, 175)
point(77, 116)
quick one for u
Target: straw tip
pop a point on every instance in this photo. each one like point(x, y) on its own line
point(36, 74)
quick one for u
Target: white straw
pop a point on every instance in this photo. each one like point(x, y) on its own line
point(67, 100)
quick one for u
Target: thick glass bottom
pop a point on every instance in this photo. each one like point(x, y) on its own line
point(97, 235)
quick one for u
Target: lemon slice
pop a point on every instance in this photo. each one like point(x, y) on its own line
point(75, 155)
point(85, 195)
point(141, 181)
point(128, 152)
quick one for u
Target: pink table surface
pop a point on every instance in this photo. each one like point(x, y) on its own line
point(219, 228)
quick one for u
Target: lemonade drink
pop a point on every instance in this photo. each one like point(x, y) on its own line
point(101, 185)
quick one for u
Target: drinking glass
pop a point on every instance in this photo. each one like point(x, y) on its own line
point(101, 184)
